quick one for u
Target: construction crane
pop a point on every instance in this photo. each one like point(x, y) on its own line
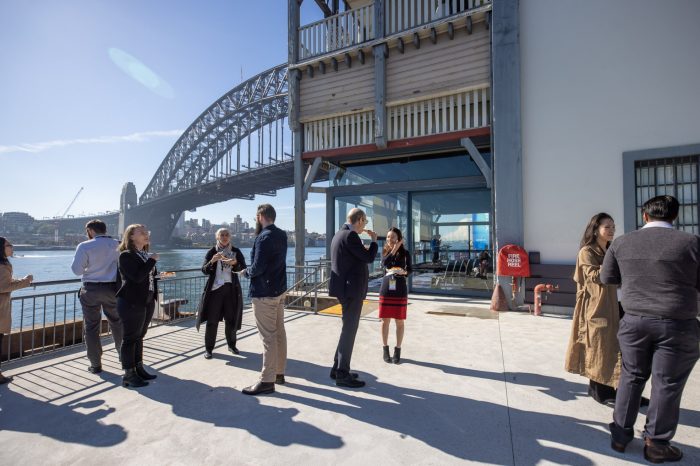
point(71, 203)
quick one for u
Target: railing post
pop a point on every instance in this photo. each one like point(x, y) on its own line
point(380, 122)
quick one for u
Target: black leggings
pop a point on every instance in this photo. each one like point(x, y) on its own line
point(135, 320)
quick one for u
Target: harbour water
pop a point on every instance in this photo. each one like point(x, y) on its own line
point(55, 265)
point(58, 302)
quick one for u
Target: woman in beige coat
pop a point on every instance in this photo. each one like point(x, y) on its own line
point(593, 349)
point(7, 285)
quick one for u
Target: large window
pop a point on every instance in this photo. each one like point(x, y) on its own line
point(676, 176)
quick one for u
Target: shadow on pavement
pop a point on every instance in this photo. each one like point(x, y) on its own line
point(19, 413)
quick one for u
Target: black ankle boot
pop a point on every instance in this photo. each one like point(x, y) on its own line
point(387, 356)
point(142, 372)
point(397, 355)
point(132, 379)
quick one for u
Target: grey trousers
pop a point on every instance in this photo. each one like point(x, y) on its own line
point(352, 310)
point(94, 299)
point(666, 350)
point(269, 316)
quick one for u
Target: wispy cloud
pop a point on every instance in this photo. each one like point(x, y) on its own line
point(48, 145)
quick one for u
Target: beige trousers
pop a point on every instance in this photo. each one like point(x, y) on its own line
point(269, 316)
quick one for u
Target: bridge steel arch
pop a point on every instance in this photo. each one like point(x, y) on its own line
point(242, 111)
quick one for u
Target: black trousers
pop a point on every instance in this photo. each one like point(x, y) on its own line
point(135, 320)
point(217, 302)
point(666, 350)
point(352, 310)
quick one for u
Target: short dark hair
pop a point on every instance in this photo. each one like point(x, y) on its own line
point(267, 211)
point(664, 208)
point(96, 225)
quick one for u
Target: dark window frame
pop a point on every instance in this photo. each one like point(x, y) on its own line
point(667, 157)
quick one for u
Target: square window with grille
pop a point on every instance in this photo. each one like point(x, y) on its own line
point(675, 176)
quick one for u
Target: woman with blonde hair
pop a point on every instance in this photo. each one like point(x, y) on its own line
point(136, 301)
point(593, 349)
point(393, 295)
point(7, 286)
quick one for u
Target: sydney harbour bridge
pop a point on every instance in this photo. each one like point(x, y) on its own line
point(233, 150)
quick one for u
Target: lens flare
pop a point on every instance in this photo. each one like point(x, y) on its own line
point(141, 73)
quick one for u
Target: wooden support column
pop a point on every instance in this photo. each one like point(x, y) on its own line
point(296, 128)
point(380, 122)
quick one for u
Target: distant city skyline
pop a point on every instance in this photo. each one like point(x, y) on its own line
point(91, 100)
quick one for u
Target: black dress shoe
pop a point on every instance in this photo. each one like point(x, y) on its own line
point(260, 388)
point(207, 355)
point(350, 382)
point(95, 369)
point(617, 446)
point(234, 350)
point(279, 379)
point(660, 452)
point(354, 375)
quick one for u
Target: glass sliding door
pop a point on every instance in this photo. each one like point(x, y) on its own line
point(451, 238)
point(383, 212)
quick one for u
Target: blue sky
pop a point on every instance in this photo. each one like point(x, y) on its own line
point(70, 117)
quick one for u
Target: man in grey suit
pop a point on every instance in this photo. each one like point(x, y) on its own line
point(658, 268)
point(348, 282)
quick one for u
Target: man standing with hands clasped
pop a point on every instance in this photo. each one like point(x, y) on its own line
point(96, 260)
point(658, 268)
point(349, 277)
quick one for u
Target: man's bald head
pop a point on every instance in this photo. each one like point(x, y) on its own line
point(355, 215)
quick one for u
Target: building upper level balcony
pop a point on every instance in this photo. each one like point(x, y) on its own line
point(410, 72)
point(361, 23)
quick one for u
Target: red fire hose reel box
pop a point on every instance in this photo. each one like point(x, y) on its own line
point(513, 261)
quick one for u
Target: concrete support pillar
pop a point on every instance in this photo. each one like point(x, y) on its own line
point(506, 130)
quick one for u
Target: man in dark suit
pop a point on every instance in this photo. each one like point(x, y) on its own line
point(348, 283)
point(658, 268)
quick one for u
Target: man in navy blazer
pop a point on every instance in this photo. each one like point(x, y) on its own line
point(268, 286)
point(348, 283)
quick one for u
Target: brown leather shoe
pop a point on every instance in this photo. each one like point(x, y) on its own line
point(661, 452)
point(260, 388)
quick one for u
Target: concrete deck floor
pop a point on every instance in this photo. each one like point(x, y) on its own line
point(482, 388)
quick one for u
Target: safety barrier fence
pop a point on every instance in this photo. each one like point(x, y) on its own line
point(52, 319)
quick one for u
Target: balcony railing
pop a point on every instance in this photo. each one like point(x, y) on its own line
point(346, 29)
point(339, 131)
point(444, 114)
point(401, 15)
point(49, 320)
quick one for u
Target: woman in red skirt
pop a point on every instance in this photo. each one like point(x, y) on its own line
point(393, 296)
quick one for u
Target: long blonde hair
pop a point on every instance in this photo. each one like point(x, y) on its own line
point(127, 243)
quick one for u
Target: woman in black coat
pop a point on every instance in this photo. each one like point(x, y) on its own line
point(135, 301)
point(222, 298)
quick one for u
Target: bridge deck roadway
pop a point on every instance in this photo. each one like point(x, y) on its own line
point(244, 185)
point(480, 388)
